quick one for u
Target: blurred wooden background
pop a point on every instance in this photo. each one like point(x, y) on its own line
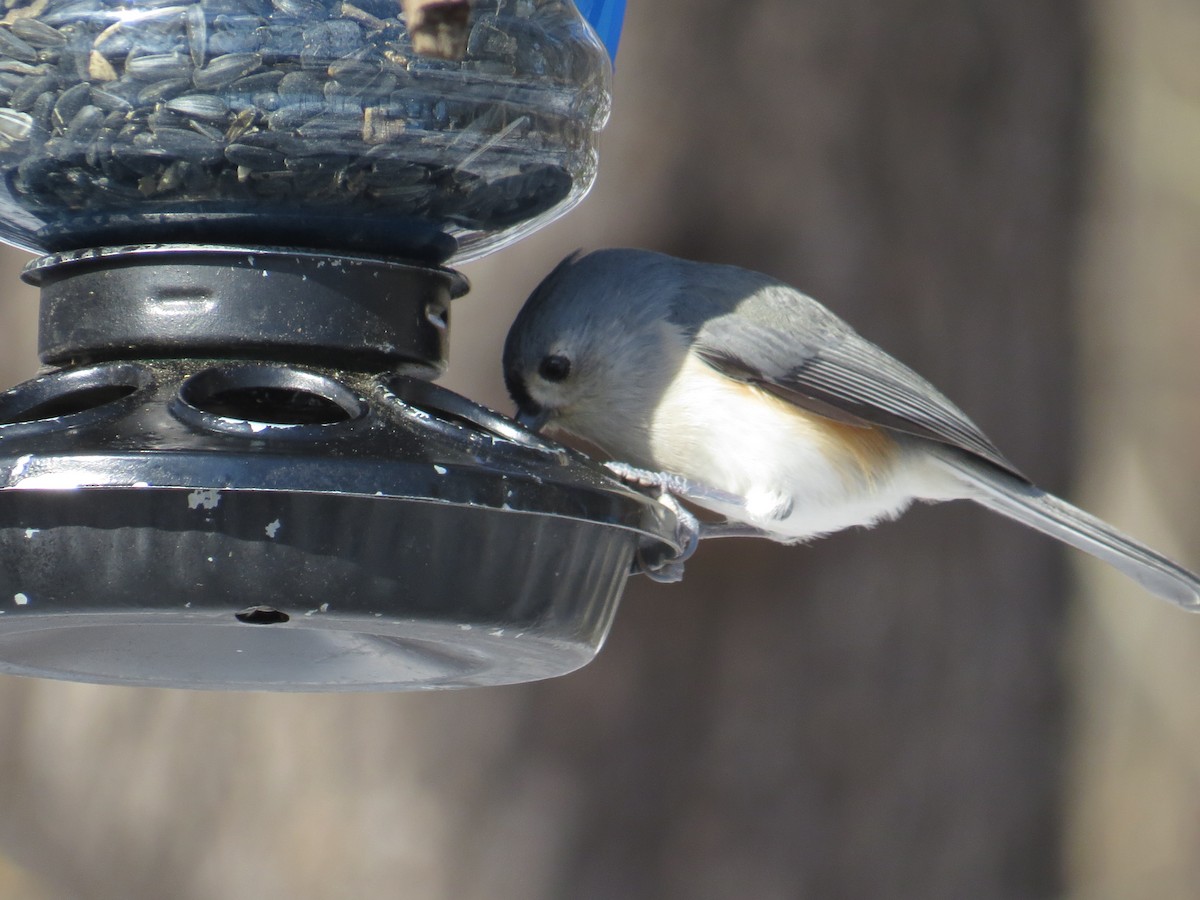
point(1007, 197)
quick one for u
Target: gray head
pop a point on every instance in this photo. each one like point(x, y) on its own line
point(590, 341)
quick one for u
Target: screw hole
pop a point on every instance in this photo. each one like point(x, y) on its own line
point(261, 615)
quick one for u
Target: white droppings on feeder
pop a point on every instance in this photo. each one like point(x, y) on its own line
point(20, 465)
point(202, 499)
point(273, 528)
point(441, 470)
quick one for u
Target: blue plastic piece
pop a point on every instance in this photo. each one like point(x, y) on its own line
point(606, 17)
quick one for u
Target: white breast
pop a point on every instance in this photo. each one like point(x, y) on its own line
point(802, 475)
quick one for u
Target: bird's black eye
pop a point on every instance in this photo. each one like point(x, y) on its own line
point(555, 367)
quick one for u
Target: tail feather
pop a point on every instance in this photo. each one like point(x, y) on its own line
point(1029, 505)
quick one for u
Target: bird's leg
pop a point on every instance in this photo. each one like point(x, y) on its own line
point(765, 506)
point(674, 484)
point(729, 529)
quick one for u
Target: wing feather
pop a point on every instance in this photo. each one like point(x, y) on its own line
point(788, 344)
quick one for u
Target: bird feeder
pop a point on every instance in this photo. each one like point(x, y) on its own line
point(235, 470)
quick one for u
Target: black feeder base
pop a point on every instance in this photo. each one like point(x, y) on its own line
point(238, 476)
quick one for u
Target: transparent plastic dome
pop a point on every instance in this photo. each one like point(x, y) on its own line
point(307, 123)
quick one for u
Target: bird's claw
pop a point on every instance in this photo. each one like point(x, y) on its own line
point(652, 557)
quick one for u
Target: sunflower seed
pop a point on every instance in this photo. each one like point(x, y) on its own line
point(156, 66)
point(15, 125)
point(280, 42)
point(40, 111)
point(197, 35)
point(162, 90)
point(213, 134)
point(332, 125)
point(256, 159)
point(76, 11)
point(24, 96)
point(17, 67)
point(138, 159)
point(258, 83)
point(224, 69)
point(68, 104)
point(362, 63)
point(300, 87)
point(110, 101)
point(37, 33)
point(15, 48)
point(292, 115)
point(117, 190)
point(115, 41)
point(165, 118)
point(9, 82)
point(86, 125)
point(202, 106)
point(181, 143)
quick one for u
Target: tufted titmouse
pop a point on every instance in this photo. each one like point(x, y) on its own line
point(758, 403)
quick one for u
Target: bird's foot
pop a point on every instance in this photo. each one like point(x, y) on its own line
point(651, 559)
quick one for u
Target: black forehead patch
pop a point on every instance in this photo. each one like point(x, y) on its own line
point(515, 382)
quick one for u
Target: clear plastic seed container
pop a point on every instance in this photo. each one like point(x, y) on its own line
point(307, 123)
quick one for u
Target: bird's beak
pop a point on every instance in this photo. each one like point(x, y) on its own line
point(533, 419)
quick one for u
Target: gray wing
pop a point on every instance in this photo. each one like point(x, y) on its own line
point(792, 346)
